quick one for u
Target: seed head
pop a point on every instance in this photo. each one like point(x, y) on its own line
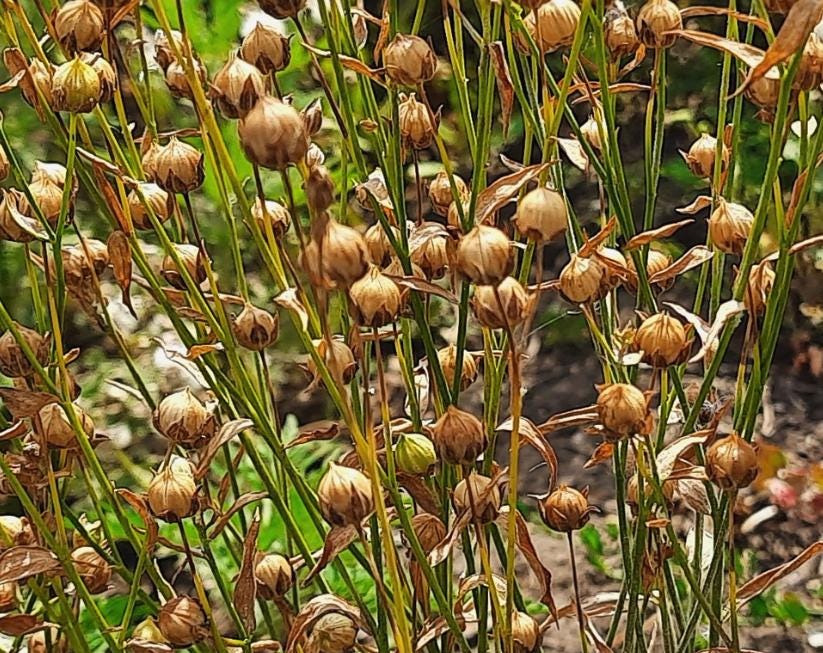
point(618, 28)
point(458, 436)
point(541, 215)
point(13, 362)
point(447, 357)
point(662, 339)
point(615, 268)
point(375, 299)
point(337, 257)
point(255, 328)
point(79, 25)
point(178, 82)
point(432, 255)
point(282, 8)
point(163, 50)
point(75, 87)
point(157, 200)
point(480, 495)
point(526, 633)
point(172, 491)
point(176, 167)
point(345, 496)
point(273, 134)
point(581, 280)
point(49, 198)
point(654, 19)
point(339, 359)
point(553, 25)
point(731, 462)
point(313, 118)
point(655, 262)
point(333, 632)
point(182, 621)
point(430, 531)
point(55, 427)
point(275, 214)
point(266, 48)
point(184, 420)
point(761, 280)
point(484, 255)
point(416, 128)
point(764, 93)
point(566, 509)
point(190, 256)
point(236, 87)
point(319, 187)
point(623, 409)
point(379, 245)
point(513, 298)
point(409, 61)
point(730, 226)
point(415, 454)
point(92, 568)
point(274, 575)
point(105, 73)
point(700, 157)
point(440, 192)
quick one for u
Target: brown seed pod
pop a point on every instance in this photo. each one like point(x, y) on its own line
point(184, 420)
point(236, 87)
point(266, 48)
point(156, 198)
point(810, 72)
point(282, 8)
point(92, 568)
point(655, 19)
point(633, 492)
point(50, 171)
point(339, 359)
point(779, 6)
point(480, 495)
point(622, 408)
point(338, 258)
point(415, 123)
point(511, 309)
point(163, 50)
point(730, 226)
point(662, 339)
point(49, 199)
point(526, 633)
point(274, 575)
point(430, 531)
point(319, 187)
point(314, 156)
point(731, 462)
point(182, 621)
point(655, 262)
point(75, 87)
point(255, 328)
point(566, 509)
point(379, 245)
point(333, 632)
point(42, 83)
point(415, 454)
point(615, 268)
point(13, 362)
point(273, 134)
point(619, 31)
point(447, 357)
point(552, 26)
point(345, 496)
point(375, 299)
point(105, 73)
point(432, 255)
point(79, 25)
point(39, 642)
point(172, 492)
point(440, 192)
point(313, 118)
point(178, 82)
point(5, 167)
point(701, 155)
point(458, 436)
point(541, 215)
point(190, 256)
point(176, 167)
point(409, 61)
point(55, 428)
point(16, 225)
point(8, 596)
point(764, 93)
point(484, 256)
point(581, 280)
point(274, 213)
point(761, 280)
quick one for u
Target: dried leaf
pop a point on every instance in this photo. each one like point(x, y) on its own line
point(700, 202)
point(16, 63)
point(338, 539)
point(585, 416)
point(25, 403)
point(424, 286)
point(505, 88)
point(695, 257)
point(602, 453)
point(13, 82)
point(196, 351)
point(532, 436)
point(594, 243)
point(245, 590)
point(325, 429)
point(646, 237)
point(419, 491)
point(226, 433)
point(16, 430)
point(242, 501)
point(141, 505)
point(349, 62)
point(670, 454)
point(503, 190)
point(764, 581)
point(725, 312)
point(694, 495)
point(120, 259)
point(21, 562)
point(289, 300)
point(574, 151)
point(748, 54)
point(526, 547)
point(16, 625)
point(690, 12)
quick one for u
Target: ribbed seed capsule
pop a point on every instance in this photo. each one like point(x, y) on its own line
point(414, 453)
point(333, 632)
point(730, 226)
point(345, 496)
point(55, 427)
point(759, 288)
point(75, 87)
point(440, 192)
point(190, 256)
point(810, 71)
point(501, 307)
point(553, 25)
point(178, 82)
point(662, 339)
point(655, 19)
point(319, 187)
point(146, 632)
point(620, 34)
point(375, 299)
point(172, 491)
point(591, 132)
point(13, 362)
point(429, 529)
point(480, 495)
point(105, 73)
point(273, 213)
point(274, 575)
point(182, 621)
point(155, 197)
point(731, 463)
point(338, 258)
point(633, 492)
point(79, 25)
point(409, 60)
point(339, 359)
point(282, 8)
point(764, 93)
point(447, 357)
point(92, 568)
point(565, 509)
point(655, 262)
point(49, 199)
point(526, 633)
point(176, 167)
point(255, 328)
point(581, 279)
point(42, 84)
point(458, 436)
point(378, 244)
point(184, 420)
point(266, 48)
point(701, 155)
point(50, 171)
point(622, 408)
point(484, 255)
point(273, 134)
point(163, 50)
point(416, 128)
point(236, 87)
point(432, 255)
point(541, 215)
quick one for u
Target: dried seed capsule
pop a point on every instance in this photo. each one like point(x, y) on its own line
point(49, 171)
point(526, 633)
point(146, 632)
point(581, 280)
point(409, 61)
point(810, 71)
point(42, 82)
point(266, 48)
point(591, 132)
point(701, 155)
point(662, 339)
point(282, 8)
point(176, 167)
point(622, 408)
point(39, 642)
point(656, 262)
point(430, 531)
point(273, 134)
point(432, 255)
point(15, 223)
point(447, 357)
point(484, 255)
point(79, 25)
point(552, 25)
point(105, 73)
point(182, 621)
point(566, 509)
point(414, 453)
point(55, 427)
point(759, 288)
point(764, 92)
point(8, 596)
point(615, 268)
point(655, 19)
point(339, 359)
point(339, 258)
point(440, 192)
point(360, 28)
point(480, 495)
point(75, 87)
point(511, 309)
point(156, 198)
point(333, 632)
point(236, 87)
point(541, 215)
point(13, 362)
point(178, 82)
point(378, 244)
point(255, 328)
point(274, 214)
point(375, 299)
point(314, 156)
point(415, 123)
point(274, 575)
point(49, 199)
point(633, 492)
point(184, 420)
point(313, 118)
point(458, 436)
point(319, 187)
point(618, 28)
point(731, 462)
point(5, 167)
point(730, 226)
point(190, 256)
point(82, 259)
point(345, 496)
point(163, 50)
point(92, 568)
point(173, 490)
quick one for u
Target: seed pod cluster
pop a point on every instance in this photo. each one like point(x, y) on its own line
point(271, 214)
point(236, 87)
point(56, 429)
point(282, 8)
point(337, 256)
point(440, 192)
point(581, 280)
point(633, 492)
point(191, 258)
point(526, 633)
point(338, 358)
point(415, 123)
point(75, 87)
point(182, 621)
point(13, 360)
point(155, 198)
point(620, 34)
point(176, 167)
point(92, 568)
point(656, 261)
point(429, 529)
point(79, 25)
point(255, 328)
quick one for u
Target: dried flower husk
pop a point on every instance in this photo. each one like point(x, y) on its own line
point(429, 529)
point(414, 453)
point(345, 496)
point(266, 48)
point(764, 93)
point(5, 167)
point(526, 633)
point(79, 25)
point(541, 215)
point(313, 119)
point(409, 60)
point(282, 8)
point(75, 87)
point(274, 213)
point(14, 531)
point(655, 19)
point(447, 357)
point(484, 255)
point(440, 192)
point(761, 280)
point(190, 256)
point(105, 73)
point(731, 462)
point(163, 50)
point(182, 621)
point(16, 225)
point(319, 187)
point(581, 280)
point(663, 340)
point(375, 299)
point(13, 362)
point(184, 420)
point(458, 436)
point(416, 128)
point(256, 328)
point(8, 597)
point(92, 568)
point(590, 131)
point(810, 72)
point(623, 409)
point(633, 492)
point(378, 244)
point(144, 636)
point(315, 156)
point(176, 167)
point(273, 134)
point(552, 26)
point(339, 359)
point(236, 87)
point(55, 427)
point(480, 495)
point(701, 155)
point(432, 256)
point(336, 257)
point(49, 199)
point(615, 269)
point(566, 509)
point(157, 200)
point(375, 185)
point(50, 171)
point(178, 82)
point(512, 308)
point(655, 262)
point(620, 34)
point(730, 226)
point(274, 575)
point(83, 262)
point(172, 492)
